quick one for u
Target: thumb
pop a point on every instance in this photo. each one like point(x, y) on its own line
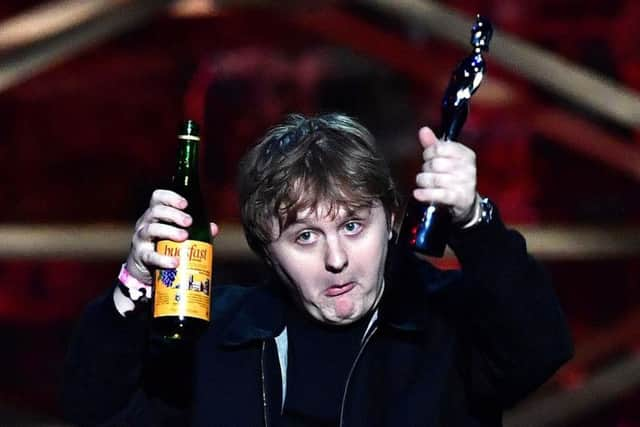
point(427, 137)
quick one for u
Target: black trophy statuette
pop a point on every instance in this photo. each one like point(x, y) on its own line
point(425, 228)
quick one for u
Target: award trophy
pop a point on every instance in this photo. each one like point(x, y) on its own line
point(426, 227)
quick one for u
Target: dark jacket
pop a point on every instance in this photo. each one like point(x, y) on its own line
point(448, 348)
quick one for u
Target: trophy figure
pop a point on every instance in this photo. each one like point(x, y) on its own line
point(426, 227)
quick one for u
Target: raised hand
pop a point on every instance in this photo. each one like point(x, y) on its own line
point(448, 175)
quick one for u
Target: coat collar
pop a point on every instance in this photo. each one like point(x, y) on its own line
point(414, 284)
point(260, 316)
point(404, 306)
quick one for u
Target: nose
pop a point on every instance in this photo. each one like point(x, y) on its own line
point(336, 258)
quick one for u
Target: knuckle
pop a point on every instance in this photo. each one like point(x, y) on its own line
point(144, 257)
point(148, 257)
point(147, 232)
point(138, 249)
point(428, 165)
point(141, 227)
point(156, 210)
point(138, 236)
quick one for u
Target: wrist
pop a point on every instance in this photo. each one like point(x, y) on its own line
point(471, 216)
point(132, 288)
point(483, 213)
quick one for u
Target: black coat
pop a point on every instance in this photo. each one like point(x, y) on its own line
point(448, 348)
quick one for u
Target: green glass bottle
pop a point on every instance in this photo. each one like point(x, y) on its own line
point(182, 296)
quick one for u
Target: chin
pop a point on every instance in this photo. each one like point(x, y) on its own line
point(330, 312)
point(344, 321)
point(347, 319)
point(331, 318)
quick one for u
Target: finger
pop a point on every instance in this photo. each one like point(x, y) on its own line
point(427, 137)
point(168, 198)
point(214, 229)
point(441, 165)
point(455, 182)
point(449, 149)
point(158, 231)
point(455, 175)
point(154, 259)
point(168, 214)
point(457, 167)
point(435, 195)
point(436, 180)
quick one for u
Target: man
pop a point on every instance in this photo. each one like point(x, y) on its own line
point(338, 336)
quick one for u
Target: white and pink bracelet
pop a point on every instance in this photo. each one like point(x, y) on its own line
point(132, 288)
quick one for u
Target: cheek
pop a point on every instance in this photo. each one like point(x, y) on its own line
point(298, 271)
point(381, 257)
point(374, 252)
point(371, 262)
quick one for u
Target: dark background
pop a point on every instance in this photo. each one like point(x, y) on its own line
point(87, 140)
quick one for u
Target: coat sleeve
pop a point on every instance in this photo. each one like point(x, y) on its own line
point(112, 376)
point(509, 314)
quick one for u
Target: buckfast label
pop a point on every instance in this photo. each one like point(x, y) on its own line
point(185, 290)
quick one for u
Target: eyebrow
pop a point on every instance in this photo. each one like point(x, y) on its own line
point(361, 213)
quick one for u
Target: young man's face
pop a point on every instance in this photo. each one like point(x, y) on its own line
point(334, 265)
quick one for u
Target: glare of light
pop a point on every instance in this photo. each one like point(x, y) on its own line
point(47, 20)
point(193, 8)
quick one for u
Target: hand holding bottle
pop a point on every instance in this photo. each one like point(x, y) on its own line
point(448, 175)
point(164, 219)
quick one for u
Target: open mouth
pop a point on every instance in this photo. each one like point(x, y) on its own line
point(337, 290)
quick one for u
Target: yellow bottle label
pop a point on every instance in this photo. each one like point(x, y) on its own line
point(186, 290)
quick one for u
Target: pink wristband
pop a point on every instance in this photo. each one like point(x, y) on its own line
point(135, 289)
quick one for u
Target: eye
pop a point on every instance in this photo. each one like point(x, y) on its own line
point(305, 238)
point(352, 227)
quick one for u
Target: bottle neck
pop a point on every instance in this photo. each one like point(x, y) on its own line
point(187, 165)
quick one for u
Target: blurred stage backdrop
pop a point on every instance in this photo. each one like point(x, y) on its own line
point(92, 93)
